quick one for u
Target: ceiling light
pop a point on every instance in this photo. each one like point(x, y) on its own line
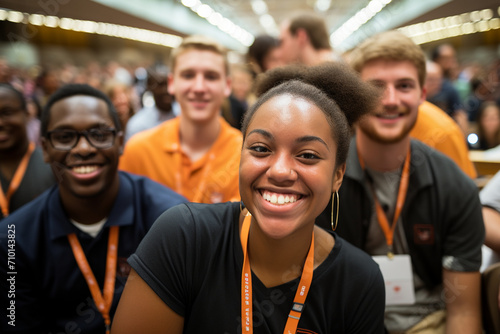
point(259, 7)
point(204, 11)
point(15, 17)
point(322, 5)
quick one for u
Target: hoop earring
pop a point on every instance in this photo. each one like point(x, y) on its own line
point(241, 210)
point(334, 227)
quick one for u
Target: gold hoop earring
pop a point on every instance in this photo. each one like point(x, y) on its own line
point(336, 194)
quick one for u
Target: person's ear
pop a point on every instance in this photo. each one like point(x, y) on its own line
point(121, 142)
point(170, 80)
point(227, 89)
point(45, 143)
point(338, 177)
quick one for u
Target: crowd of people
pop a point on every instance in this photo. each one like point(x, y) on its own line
point(300, 191)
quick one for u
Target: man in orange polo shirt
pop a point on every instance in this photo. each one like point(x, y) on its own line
point(439, 131)
point(196, 154)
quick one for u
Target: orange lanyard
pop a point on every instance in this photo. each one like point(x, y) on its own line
point(198, 197)
point(246, 286)
point(16, 180)
point(381, 217)
point(103, 304)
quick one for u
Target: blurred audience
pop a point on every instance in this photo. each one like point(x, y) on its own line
point(305, 39)
point(120, 95)
point(443, 94)
point(488, 126)
point(23, 173)
point(264, 54)
point(162, 110)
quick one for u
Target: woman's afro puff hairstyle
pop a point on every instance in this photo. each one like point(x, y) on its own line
point(334, 88)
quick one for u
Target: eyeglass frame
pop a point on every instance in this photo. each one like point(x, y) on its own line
point(11, 112)
point(84, 133)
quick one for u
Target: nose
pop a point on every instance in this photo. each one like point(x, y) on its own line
point(282, 169)
point(390, 97)
point(199, 83)
point(83, 147)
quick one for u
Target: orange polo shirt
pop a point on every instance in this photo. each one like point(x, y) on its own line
point(156, 153)
point(438, 130)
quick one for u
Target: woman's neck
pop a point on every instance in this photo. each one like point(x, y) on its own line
point(276, 262)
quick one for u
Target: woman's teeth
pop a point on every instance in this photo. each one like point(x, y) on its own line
point(279, 198)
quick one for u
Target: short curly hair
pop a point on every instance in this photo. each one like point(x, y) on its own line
point(72, 90)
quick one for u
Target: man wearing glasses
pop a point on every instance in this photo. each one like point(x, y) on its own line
point(63, 264)
point(23, 173)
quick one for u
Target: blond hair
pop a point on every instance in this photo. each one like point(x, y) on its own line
point(390, 45)
point(201, 43)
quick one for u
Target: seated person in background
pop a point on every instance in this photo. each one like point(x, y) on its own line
point(304, 39)
point(408, 204)
point(149, 117)
point(264, 54)
point(120, 95)
point(235, 106)
point(212, 268)
point(488, 126)
point(197, 153)
point(438, 130)
point(72, 242)
point(490, 199)
point(444, 95)
point(23, 173)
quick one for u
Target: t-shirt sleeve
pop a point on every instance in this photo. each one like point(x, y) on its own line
point(464, 234)
point(165, 258)
point(490, 195)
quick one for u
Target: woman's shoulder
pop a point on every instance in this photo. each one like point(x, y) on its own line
point(200, 216)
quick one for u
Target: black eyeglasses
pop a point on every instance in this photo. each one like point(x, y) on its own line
point(66, 139)
point(7, 113)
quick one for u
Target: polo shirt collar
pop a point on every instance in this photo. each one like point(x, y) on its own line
point(121, 214)
point(170, 133)
point(420, 172)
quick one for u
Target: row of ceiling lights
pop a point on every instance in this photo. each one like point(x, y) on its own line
point(421, 33)
point(451, 26)
point(92, 27)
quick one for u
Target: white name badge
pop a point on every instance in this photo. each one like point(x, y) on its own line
point(398, 278)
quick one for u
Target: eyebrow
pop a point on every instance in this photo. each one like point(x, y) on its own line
point(303, 139)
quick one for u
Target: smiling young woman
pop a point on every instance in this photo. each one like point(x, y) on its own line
point(267, 268)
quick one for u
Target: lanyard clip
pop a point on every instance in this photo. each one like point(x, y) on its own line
point(298, 307)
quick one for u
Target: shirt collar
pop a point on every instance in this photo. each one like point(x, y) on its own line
point(420, 173)
point(121, 214)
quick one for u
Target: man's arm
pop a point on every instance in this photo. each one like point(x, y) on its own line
point(491, 219)
point(462, 295)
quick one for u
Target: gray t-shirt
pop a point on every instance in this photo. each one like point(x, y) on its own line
point(398, 317)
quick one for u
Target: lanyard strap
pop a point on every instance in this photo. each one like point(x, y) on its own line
point(16, 180)
point(246, 286)
point(103, 304)
point(198, 197)
point(381, 216)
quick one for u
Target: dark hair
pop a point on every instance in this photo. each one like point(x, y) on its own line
point(315, 28)
point(260, 48)
point(333, 87)
point(436, 51)
point(72, 90)
point(18, 94)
